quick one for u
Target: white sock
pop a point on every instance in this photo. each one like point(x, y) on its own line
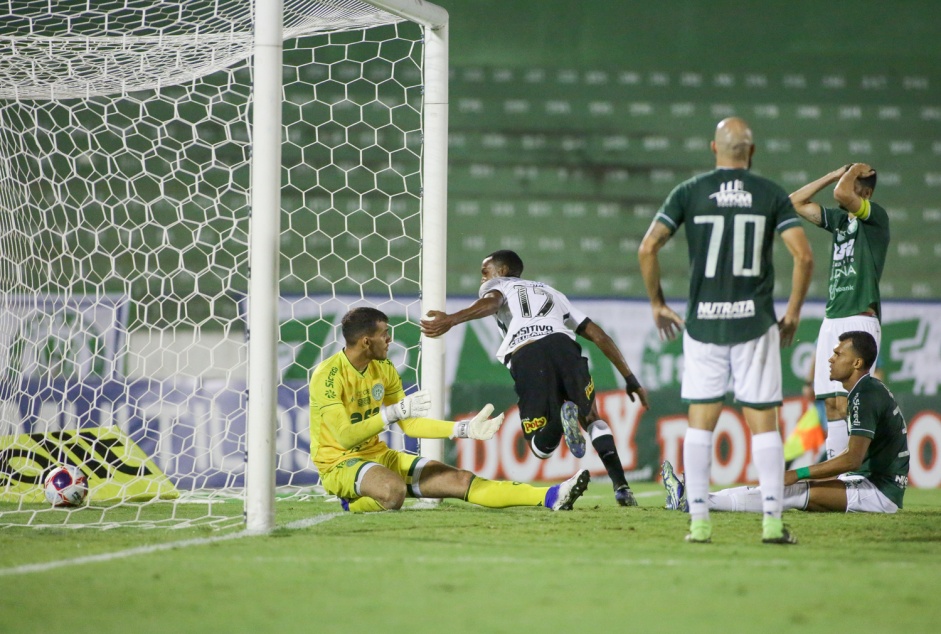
point(748, 499)
point(597, 429)
point(768, 456)
point(837, 437)
point(697, 464)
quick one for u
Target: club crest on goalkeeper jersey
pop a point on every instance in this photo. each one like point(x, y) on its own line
point(530, 311)
point(341, 395)
point(731, 216)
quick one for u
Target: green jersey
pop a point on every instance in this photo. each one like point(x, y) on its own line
point(860, 244)
point(873, 412)
point(731, 216)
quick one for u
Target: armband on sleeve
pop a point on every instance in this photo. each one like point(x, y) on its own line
point(864, 209)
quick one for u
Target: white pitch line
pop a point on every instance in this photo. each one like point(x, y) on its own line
point(146, 550)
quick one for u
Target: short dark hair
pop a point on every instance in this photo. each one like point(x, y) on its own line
point(864, 345)
point(360, 322)
point(868, 181)
point(509, 259)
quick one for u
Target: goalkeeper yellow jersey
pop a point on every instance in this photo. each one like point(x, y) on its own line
point(344, 408)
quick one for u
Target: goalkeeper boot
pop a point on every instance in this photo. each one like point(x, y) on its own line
point(562, 496)
point(345, 504)
point(571, 429)
point(624, 496)
point(676, 488)
point(774, 532)
point(700, 532)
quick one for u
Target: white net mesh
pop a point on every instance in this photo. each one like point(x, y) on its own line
point(124, 209)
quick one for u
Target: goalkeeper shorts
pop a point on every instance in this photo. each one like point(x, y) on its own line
point(344, 479)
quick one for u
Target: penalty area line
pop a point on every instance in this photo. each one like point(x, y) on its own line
point(154, 548)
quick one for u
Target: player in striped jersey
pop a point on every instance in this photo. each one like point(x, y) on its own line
point(555, 389)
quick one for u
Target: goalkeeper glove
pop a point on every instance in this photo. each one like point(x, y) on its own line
point(479, 427)
point(412, 406)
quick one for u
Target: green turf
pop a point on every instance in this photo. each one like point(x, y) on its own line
point(457, 568)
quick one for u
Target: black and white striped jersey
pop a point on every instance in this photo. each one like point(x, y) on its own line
point(530, 311)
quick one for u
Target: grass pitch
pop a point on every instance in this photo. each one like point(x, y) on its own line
point(459, 568)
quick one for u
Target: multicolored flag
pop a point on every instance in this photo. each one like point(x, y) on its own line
point(807, 436)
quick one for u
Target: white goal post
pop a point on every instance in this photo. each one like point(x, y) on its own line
point(192, 192)
point(266, 206)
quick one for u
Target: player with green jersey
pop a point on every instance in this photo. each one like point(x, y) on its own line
point(871, 473)
point(860, 231)
point(732, 334)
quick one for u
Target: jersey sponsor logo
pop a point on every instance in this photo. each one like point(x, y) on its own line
point(530, 332)
point(378, 391)
point(333, 372)
point(834, 289)
point(532, 424)
point(843, 250)
point(726, 310)
point(842, 271)
point(854, 412)
point(732, 194)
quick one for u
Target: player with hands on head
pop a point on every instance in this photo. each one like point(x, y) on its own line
point(550, 375)
point(357, 393)
point(869, 476)
point(731, 333)
point(860, 229)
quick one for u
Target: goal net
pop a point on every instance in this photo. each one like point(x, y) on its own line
point(126, 143)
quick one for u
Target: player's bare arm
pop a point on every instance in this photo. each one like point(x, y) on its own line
point(796, 242)
point(436, 322)
point(597, 335)
point(846, 192)
point(805, 207)
point(850, 460)
point(668, 322)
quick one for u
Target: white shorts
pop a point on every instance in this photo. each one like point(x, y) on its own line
point(862, 496)
point(827, 340)
point(752, 370)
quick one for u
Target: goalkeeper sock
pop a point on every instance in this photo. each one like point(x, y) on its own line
point(365, 505)
point(498, 494)
point(603, 442)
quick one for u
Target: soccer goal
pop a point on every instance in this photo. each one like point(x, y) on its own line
point(192, 192)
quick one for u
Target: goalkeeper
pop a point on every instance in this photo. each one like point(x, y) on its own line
point(357, 393)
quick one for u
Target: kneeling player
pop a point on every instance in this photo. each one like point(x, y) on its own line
point(872, 472)
point(357, 393)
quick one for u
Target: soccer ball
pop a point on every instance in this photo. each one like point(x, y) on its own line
point(66, 486)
